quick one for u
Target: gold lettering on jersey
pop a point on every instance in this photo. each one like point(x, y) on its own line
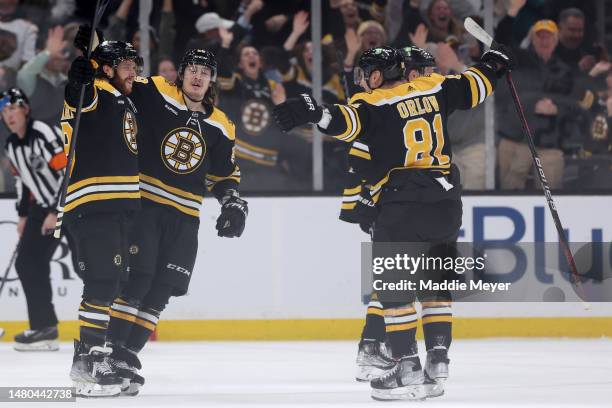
point(183, 150)
point(130, 130)
point(417, 106)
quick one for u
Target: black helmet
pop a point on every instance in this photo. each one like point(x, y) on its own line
point(385, 59)
point(417, 58)
point(199, 57)
point(111, 53)
point(13, 96)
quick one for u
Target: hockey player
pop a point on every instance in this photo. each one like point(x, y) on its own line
point(411, 180)
point(102, 194)
point(196, 141)
point(358, 207)
point(36, 155)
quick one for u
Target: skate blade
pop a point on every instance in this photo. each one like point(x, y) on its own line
point(93, 390)
point(132, 390)
point(369, 373)
point(434, 390)
point(408, 392)
point(43, 345)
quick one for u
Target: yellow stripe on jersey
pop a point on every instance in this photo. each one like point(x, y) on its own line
point(102, 180)
point(99, 197)
point(436, 319)
point(352, 191)
point(400, 327)
point(473, 89)
point(170, 189)
point(360, 153)
point(484, 78)
point(381, 96)
point(349, 123)
point(256, 148)
point(145, 324)
point(349, 206)
point(69, 111)
point(166, 201)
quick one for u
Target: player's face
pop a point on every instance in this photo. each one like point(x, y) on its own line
point(250, 61)
point(15, 117)
point(196, 81)
point(125, 73)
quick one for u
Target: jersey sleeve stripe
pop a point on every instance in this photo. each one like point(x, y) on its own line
point(484, 78)
point(473, 88)
point(348, 121)
point(481, 86)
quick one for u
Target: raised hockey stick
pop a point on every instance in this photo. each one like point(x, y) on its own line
point(8, 268)
point(481, 35)
point(100, 8)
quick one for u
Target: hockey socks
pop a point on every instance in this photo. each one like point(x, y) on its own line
point(374, 328)
point(437, 324)
point(401, 324)
point(144, 325)
point(123, 314)
point(93, 323)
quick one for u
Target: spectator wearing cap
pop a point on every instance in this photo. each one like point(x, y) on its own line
point(25, 33)
point(550, 97)
point(43, 78)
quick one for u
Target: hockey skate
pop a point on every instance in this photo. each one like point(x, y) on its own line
point(37, 340)
point(372, 360)
point(92, 374)
point(126, 364)
point(436, 371)
point(403, 382)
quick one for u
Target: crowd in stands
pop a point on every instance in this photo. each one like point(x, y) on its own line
point(265, 55)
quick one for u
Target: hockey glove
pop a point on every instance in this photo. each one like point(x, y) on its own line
point(297, 111)
point(234, 211)
point(366, 211)
point(81, 72)
point(500, 59)
point(81, 40)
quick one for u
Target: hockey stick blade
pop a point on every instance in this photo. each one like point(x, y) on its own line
point(478, 32)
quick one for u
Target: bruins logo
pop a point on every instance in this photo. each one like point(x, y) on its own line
point(130, 129)
point(183, 150)
point(255, 117)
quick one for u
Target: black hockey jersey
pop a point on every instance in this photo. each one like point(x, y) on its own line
point(181, 152)
point(104, 174)
point(404, 127)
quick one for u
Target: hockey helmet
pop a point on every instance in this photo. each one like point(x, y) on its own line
point(13, 96)
point(199, 57)
point(417, 58)
point(111, 53)
point(385, 59)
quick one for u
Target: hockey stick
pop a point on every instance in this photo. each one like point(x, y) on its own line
point(100, 8)
point(481, 35)
point(8, 268)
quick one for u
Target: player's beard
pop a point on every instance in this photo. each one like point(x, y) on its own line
point(121, 85)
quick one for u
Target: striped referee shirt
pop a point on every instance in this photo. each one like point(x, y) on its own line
point(37, 161)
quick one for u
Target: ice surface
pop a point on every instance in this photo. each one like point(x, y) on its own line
point(484, 373)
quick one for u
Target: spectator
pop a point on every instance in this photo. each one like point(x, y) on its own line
point(519, 18)
point(411, 23)
point(270, 21)
point(442, 23)
point(269, 160)
point(572, 48)
point(167, 69)
point(25, 33)
point(461, 8)
point(43, 78)
point(547, 90)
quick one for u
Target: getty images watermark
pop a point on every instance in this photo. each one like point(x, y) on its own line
point(486, 272)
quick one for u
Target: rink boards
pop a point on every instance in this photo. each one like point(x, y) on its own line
point(295, 273)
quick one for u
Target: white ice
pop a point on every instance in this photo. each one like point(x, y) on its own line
point(484, 373)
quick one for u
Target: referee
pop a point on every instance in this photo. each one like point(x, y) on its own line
point(37, 160)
